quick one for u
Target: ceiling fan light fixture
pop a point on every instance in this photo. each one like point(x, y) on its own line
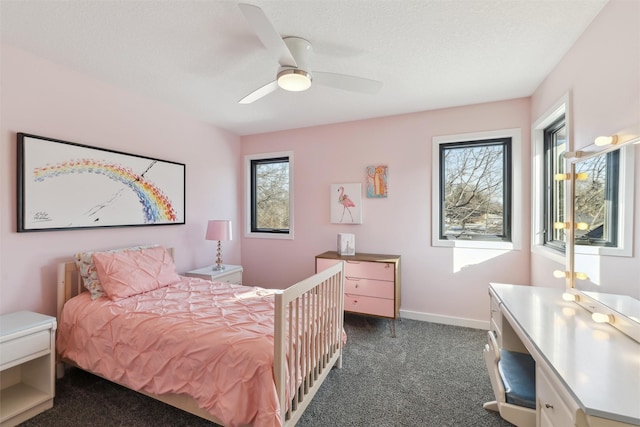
point(294, 80)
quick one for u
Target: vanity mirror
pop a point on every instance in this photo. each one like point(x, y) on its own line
point(603, 270)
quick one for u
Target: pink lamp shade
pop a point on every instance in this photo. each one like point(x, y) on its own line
point(219, 230)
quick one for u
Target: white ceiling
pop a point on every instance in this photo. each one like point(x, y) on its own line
point(202, 56)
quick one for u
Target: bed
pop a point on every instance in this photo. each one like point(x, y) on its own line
point(258, 355)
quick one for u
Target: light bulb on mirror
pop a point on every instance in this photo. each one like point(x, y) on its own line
point(569, 297)
point(602, 141)
point(602, 318)
point(580, 275)
point(582, 176)
point(562, 176)
point(560, 225)
point(559, 274)
point(582, 226)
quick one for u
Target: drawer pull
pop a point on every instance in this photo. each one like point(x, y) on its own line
point(352, 262)
point(548, 405)
point(353, 279)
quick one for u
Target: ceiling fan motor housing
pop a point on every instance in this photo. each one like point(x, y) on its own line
point(298, 78)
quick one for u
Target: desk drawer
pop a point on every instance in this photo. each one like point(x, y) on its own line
point(24, 346)
point(550, 406)
point(367, 287)
point(370, 270)
point(369, 305)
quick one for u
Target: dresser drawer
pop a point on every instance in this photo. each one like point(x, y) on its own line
point(25, 346)
point(552, 411)
point(368, 287)
point(369, 305)
point(324, 263)
point(370, 270)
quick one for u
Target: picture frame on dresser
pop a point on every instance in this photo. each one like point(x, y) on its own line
point(118, 189)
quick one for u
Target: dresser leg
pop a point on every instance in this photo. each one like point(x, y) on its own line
point(392, 325)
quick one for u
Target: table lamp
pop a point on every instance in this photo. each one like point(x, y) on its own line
point(219, 230)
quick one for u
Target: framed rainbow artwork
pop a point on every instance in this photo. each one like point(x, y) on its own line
point(63, 185)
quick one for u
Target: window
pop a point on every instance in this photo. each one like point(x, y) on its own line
point(269, 195)
point(475, 191)
point(596, 200)
point(555, 145)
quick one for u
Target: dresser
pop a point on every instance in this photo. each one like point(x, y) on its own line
point(371, 282)
point(587, 374)
point(27, 361)
point(231, 274)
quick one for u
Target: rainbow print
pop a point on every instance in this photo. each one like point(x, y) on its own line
point(156, 206)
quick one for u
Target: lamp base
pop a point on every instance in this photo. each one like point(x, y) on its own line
point(219, 265)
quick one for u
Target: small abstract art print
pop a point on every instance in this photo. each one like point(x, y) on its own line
point(64, 185)
point(377, 181)
point(346, 203)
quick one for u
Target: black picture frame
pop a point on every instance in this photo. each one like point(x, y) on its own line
point(64, 185)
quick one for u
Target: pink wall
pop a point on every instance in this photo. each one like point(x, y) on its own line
point(602, 74)
point(45, 99)
point(432, 281)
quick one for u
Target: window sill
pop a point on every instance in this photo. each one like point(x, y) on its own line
point(474, 244)
point(276, 236)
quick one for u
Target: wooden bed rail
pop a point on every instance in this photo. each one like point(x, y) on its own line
point(309, 328)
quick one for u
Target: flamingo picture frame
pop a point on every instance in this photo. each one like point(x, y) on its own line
point(346, 203)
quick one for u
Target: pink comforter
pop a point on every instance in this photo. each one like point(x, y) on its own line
point(212, 341)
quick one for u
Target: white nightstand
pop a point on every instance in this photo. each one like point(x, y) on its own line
point(27, 365)
point(231, 274)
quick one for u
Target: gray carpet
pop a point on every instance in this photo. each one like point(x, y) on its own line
point(428, 375)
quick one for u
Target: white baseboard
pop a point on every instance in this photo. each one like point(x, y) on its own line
point(447, 320)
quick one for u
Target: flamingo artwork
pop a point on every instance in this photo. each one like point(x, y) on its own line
point(346, 203)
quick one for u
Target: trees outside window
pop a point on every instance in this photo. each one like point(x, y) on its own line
point(596, 200)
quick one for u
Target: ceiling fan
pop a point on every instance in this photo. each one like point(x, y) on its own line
point(293, 55)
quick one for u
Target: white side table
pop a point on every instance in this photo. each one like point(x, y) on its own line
point(27, 365)
point(231, 274)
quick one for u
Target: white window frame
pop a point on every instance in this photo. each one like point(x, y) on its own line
point(561, 107)
point(247, 191)
point(516, 190)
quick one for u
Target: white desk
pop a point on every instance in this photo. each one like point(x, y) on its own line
point(595, 364)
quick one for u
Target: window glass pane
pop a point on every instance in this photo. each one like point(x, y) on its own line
point(596, 200)
point(475, 180)
point(555, 147)
point(270, 195)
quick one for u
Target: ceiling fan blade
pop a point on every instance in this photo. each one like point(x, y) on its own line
point(346, 82)
point(259, 93)
point(267, 34)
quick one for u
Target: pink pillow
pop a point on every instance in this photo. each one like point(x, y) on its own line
point(123, 274)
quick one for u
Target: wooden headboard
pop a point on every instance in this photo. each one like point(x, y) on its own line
point(70, 282)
